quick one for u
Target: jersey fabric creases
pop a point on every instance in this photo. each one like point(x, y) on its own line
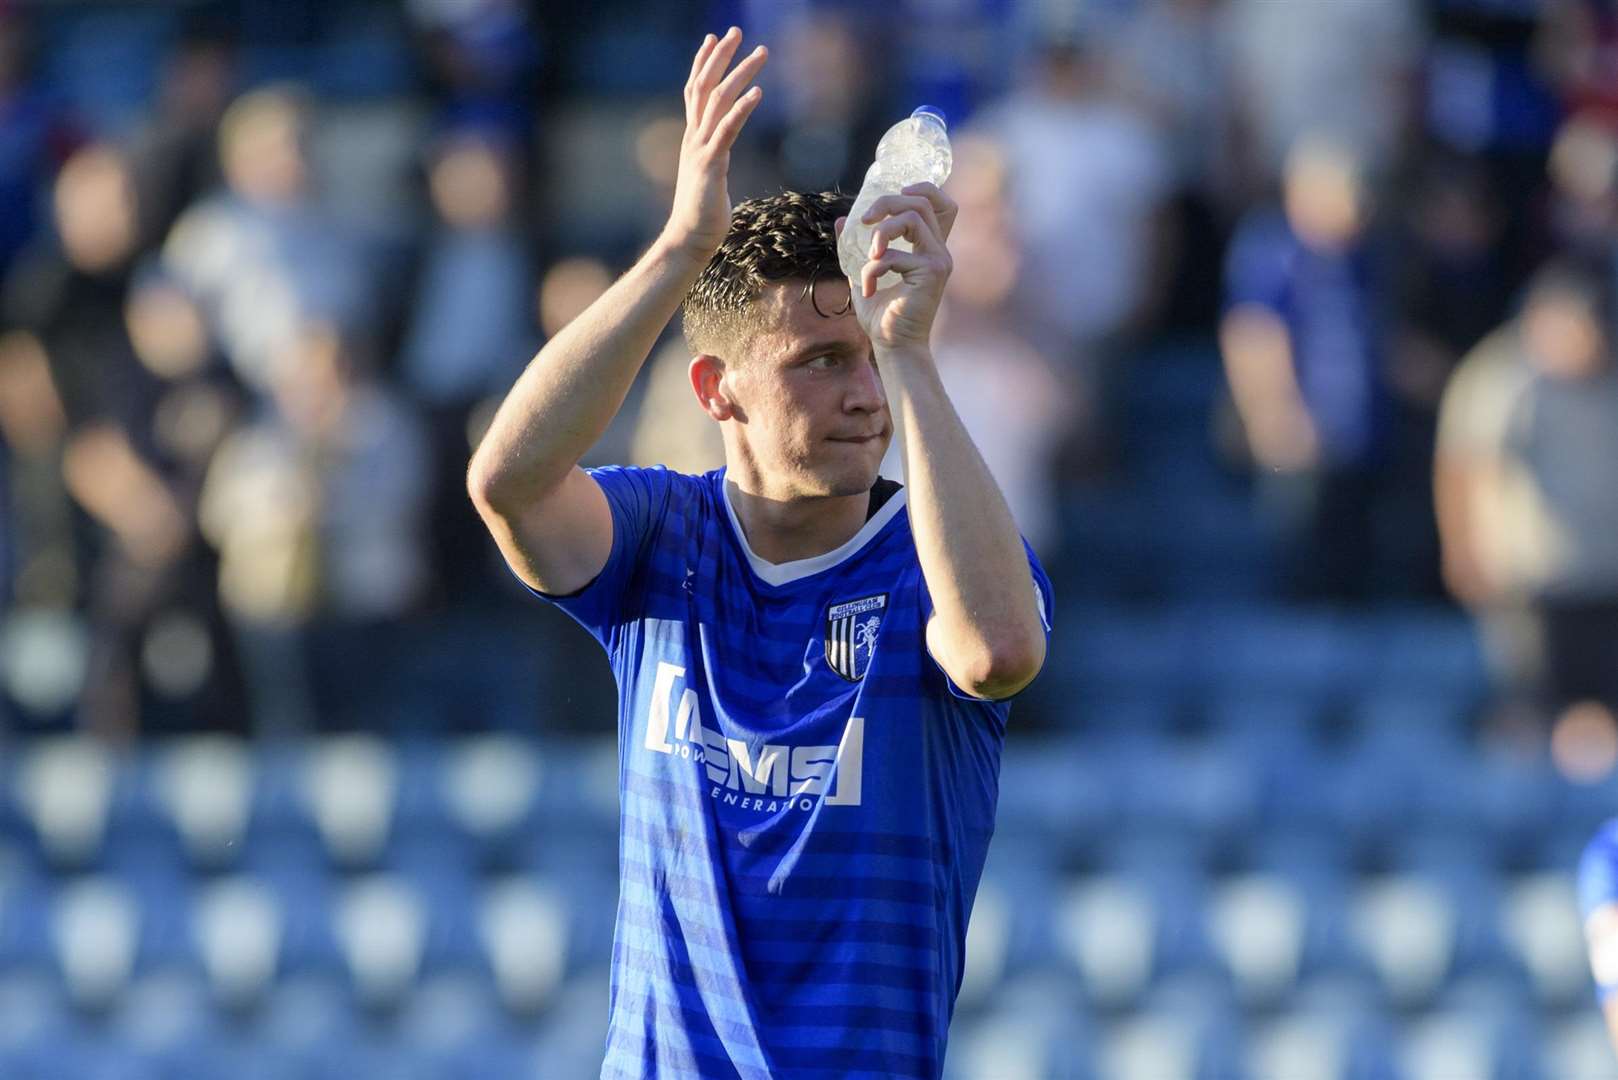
point(806, 800)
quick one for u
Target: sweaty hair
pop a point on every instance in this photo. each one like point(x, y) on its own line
point(785, 237)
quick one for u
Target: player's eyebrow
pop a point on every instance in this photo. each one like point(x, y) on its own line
point(821, 348)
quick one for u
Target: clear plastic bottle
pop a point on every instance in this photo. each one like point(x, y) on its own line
point(915, 149)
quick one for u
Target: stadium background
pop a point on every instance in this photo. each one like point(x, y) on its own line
point(295, 782)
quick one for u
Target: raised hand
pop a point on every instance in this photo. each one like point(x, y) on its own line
point(902, 314)
point(715, 110)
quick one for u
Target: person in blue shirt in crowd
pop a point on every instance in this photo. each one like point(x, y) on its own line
point(1304, 353)
point(813, 664)
point(1598, 906)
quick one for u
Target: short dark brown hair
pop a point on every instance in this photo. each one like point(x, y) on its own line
point(787, 237)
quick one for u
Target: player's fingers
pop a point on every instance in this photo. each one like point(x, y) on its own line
point(713, 68)
point(724, 95)
point(697, 61)
point(837, 226)
point(725, 132)
point(944, 207)
point(900, 262)
point(910, 224)
point(897, 204)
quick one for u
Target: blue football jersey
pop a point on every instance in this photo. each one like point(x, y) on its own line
point(1598, 892)
point(806, 799)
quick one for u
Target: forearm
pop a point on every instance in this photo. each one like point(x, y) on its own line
point(986, 631)
point(571, 390)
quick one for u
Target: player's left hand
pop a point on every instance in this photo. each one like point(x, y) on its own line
point(901, 315)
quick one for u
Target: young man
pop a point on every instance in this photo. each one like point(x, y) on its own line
point(812, 664)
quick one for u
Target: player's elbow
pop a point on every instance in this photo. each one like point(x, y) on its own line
point(496, 491)
point(1005, 665)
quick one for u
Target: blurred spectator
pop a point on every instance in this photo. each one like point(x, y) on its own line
point(316, 508)
point(1344, 67)
point(824, 122)
point(68, 290)
point(176, 150)
point(1583, 172)
point(42, 561)
point(1563, 437)
point(1490, 79)
point(33, 136)
point(1174, 58)
point(470, 329)
point(146, 573)
point(263, 257)
point(669, 427)
point(950, 52)
point(1014, 403)
point(1527, 487)
point(1453, 278)
point(1303, 348)
point(1088, 177)
point(1452, 282)
point(482, 55)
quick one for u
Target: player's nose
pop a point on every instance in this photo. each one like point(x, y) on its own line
point(864, 391)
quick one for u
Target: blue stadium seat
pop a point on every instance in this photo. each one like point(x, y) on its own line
point(1205, 787)
point(306, 1017)
point(490, 787)
point(1258, 924)
point(350, 785)
point(1062, 795)
point(65, 787)
point(1539, 921)
point(441, 875)
point(1107, 928)
point(205, 787)
point(1037, 1028)
point(1434, 649)
point(1515, 798)
point(1408, 929)
point(1576, 1045)
point(574, 1032)
point(1122, 650)
point(525, 930)
point(166, 1021)
point(1277, 650)
point(238, 927)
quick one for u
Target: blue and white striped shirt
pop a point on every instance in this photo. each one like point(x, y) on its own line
point(806, 800)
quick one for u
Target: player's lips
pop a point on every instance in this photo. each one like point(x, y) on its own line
point(859, 440)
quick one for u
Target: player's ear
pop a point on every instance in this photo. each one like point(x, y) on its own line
point(708, 381)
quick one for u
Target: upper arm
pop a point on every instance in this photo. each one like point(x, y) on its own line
point(557, 543)
point(1009, 663)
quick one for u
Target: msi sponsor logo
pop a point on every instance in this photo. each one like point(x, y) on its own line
point(764, 777)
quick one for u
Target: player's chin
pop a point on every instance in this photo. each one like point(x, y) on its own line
point(854, 478)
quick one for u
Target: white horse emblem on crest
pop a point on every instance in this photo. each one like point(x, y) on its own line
point(851, 634)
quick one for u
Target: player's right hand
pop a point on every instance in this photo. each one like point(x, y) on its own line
point(715, 110)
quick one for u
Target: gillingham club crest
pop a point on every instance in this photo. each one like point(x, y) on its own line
point(851, 629)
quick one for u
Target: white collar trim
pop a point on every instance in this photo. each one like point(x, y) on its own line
point(784, 573)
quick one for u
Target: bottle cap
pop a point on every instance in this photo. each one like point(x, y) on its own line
point(933, 111)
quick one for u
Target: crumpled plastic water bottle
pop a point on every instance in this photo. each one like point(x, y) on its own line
point(915, 149)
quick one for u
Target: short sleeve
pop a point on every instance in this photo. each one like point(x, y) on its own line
point(639, 500)
point(1256, 269)
point(1043, 597)
point(1474, 411)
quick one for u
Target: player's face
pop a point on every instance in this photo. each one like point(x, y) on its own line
point(814, 417)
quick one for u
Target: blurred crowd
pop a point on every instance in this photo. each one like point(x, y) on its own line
point(268, 265)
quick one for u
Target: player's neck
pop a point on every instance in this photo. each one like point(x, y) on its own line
point(786, 530)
